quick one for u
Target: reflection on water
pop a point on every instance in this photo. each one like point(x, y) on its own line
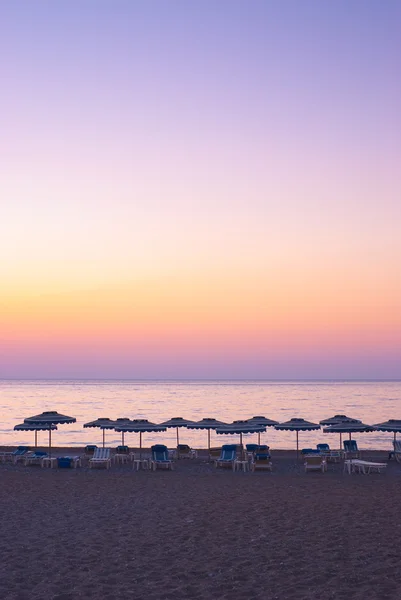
point(372, 402)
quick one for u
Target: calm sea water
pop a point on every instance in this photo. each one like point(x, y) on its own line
point(370, 401)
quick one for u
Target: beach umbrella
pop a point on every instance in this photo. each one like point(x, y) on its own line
point(208, 424)
point(393, 425)
point(102, 423)
point(177, 422)
point(240, 427)
point(50, 417)
point(337, 420)
point(262, 421)
point(297, 425)
point(139, 426)
point(35, 428)
point(119, 423)
point(349, 428)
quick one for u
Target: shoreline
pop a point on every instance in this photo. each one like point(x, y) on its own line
point(201, 451)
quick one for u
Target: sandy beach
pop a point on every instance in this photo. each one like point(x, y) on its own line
point(200, 533)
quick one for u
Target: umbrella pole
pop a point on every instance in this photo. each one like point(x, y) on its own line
point(297, 443)
point(259, 438)
point(50, 440)
point(140, 444)
point(36, 439)
point(341, 442)
point(103, 437)
point(241, 446)
point(178, 439)
point(208, 439)
point(122, 438)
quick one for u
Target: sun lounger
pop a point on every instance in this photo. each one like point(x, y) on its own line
point(15, 456)
point(329, 455)
point(68, 462)
point(309, 451)
point(90, 449)
point(160, 458)
point(351, 449)
point(315, 463)
point(101, 458)
point(35, 458)
point(364, 466)
point(227, 456)
point(262, 462)
point(214, 453)
point(397, 450)
point(184, 451)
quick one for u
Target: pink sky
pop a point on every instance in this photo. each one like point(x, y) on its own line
point(201, 190)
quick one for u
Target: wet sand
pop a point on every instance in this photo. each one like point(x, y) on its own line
point(200, 533)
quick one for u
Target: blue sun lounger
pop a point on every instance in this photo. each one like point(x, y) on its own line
point(160, 459)
point(351, 449)
point(14, 456)
point(35, 458)
point(227, 456)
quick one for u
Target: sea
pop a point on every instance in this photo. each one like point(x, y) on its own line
point(86, 400)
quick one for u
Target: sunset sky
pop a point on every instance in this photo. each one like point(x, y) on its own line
point(200, 189)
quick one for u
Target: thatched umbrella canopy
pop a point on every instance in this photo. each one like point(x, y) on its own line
point(349, 428)
point(177, 422)
point(259, 420)
point(139, 426)
point(337, 420)
point(50, 417)
point(35, 428)
point(297, 425)
point(102, 423)
point(240, 427)
point(209, 424)
point(392, 425)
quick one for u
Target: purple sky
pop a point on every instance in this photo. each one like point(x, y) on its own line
point(231, 169)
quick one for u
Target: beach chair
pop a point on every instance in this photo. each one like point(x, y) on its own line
point(90, 449)
point(315, 463)
point(250, 451)
point(330, 455)
point(68, 462)
point(122, 450)
point(34, 458)
point(364, 466)
point(351, 449)
point(308, 451)
point(227, 456)
point(185, 451)
point(397, 450)
point(262, 462)
point(214, 453)
point(160, 458)
point(15, 456)
point(101, 458)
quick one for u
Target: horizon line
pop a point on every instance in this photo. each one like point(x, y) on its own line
point(205, 379)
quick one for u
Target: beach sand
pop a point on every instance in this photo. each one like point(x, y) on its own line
point(200, 533)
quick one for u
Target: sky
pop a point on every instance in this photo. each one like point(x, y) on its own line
point(204, 189)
